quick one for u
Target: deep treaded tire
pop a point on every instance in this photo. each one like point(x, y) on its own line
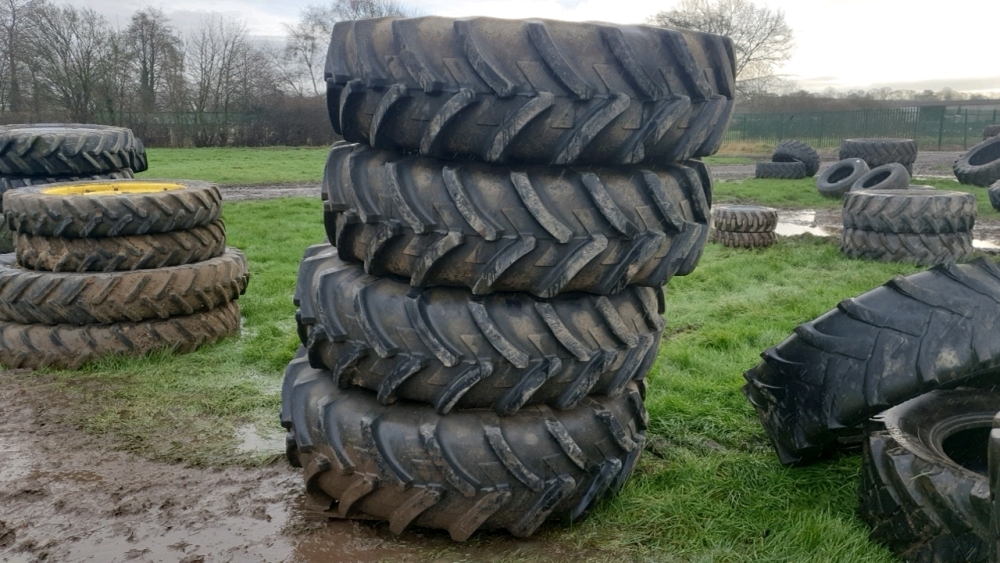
point(468, 471)
point(981, 165)
point(538, 91)
point(744, 218)
point(109, 254)
point(111, 209)
point(877, 152)
point(924, 490)
point(50, 298)
point(838, 178)
point(993, 462)
point(994, 193)
point(910, 336)
point(780, 170)
point(797, 151)
point(445, 347)
point(6, 238)
point(892, 176)
point(17, 182)
point(68, 347)
point(539, 229)
point(744, 240)
point(910, 211)
point(925, 249)
point(61, 149)
point(991, 131)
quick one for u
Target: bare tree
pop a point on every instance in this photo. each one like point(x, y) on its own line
point(156, 54)
point(761, 37)
point(15, 18)
point(345, 10)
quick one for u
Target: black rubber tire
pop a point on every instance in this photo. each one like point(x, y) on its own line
point(445, 347)
point(744, 240)
point(993, 480)
point(926, 249)
point(531, 91)
point(18, 182)
point(6, 237)
point(924, 488)
point(991, 131)
point(877, 152)
point(468, 471)
point(797, 151)
point(994, 193)
point(30, 297)
point(540, 229)
point(744, 218)
point(67, 149)
point(104, 214)
point(892, 176)
point(980, 166)
point(910, 336)
point(110, 254)
point(780, 170)
point(838, 178)
point(37, 346)
point(910, 211)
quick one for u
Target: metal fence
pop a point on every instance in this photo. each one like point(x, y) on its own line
point(934, 128)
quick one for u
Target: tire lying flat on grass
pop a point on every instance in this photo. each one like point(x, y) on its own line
point(744, 240)
point(464, 472)
point(925, 249)
point(910, 211)
point(838, 178)
point(924, 488)
point(797, 151)
point(877, 152)
point(540, 91)
point(910, 336)
point(744, 218)
point(60, 149)
point(103, 208)
point(780, 170)
point(980, 166)
point(892, 176)
point(16, 182)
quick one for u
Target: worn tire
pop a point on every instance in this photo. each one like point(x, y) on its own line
point(877, 152)
point(910, 211)
point(924, 488)
point(924, 249)
point(892, 176)
point(18, 182)
point(780, 170)
point(797, 151)
point(110, 254)
point(744, 240)
point(105, 212)
point(994, 193)
point(468, 471)
point(838, 178)
point(65, 149)
point(538, 229)
point(980, 166)
point(6, 238)
point(910, 336)
point(37, 346)
point(30, 297)
point(744, 218)
point(445, 347)
point(991, 131)
point(533, 91)
point(993, 480)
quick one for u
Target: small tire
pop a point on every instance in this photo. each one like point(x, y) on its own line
point(16, 182)
point(780, 170)
point(744, 218)
point(112, 208)
point(980, 166)
point(914, 211)
point(925, 249)
point(994, 193)
point(797, 151)
point(891, 176)
point(991, 131)
point(64, 149)
point(877, 152)
point(837, 179)
point(463, 472)
point(924, 489)
point(744, 240)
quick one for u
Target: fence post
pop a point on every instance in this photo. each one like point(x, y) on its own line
point(821, 121)
point(965, 133)
point(941, 130)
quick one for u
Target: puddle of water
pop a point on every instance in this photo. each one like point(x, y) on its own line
point(252, 441)
point(985, 245)
point(794, 223)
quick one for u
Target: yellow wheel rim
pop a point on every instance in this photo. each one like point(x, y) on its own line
point(112, 188)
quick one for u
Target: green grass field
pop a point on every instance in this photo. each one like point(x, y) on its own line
point(275, 165)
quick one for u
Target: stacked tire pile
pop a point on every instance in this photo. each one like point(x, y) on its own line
point(115, 268)
point(879, 152)
point(477, 333)
point(909, 371)
point(991, 131)
point(35, 155)
point(744, 226)
point(791, 160)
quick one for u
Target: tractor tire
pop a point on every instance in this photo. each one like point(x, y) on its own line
point(780, 170)
point(917, 211)
point(538, 229)
point(797, 151)
point(445, 347)
point(991, 131)
point(994, 193)
point(912, 335)
point(838, 179)
point(892, 176)
point(18, 182)
point(30, 297)
point(468, 471)
point(6, 238)
point(107, 209)
point(877, 152)
point(924, 488)
point(744, 240)
point(530, 91)
point(744, 218)
point(926, 249)
point(62, 149)
point(981, 165)
point(993, 476)
point(111, 254)
point(38, 346)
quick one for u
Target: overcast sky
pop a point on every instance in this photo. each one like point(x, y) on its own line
point(845, 44)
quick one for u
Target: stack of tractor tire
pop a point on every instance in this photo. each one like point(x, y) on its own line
point(791, 160)
point(36, 155)
point(991, 131)
point(878, 152)
point(744, 226)
point(980, 166)
point(115, 267)
point(476, 334)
